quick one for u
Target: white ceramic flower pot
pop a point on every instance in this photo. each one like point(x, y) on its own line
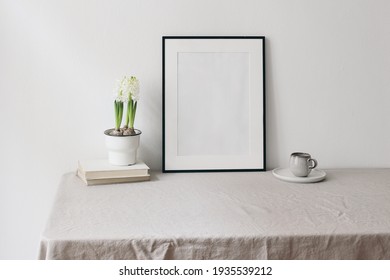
point(122, 150)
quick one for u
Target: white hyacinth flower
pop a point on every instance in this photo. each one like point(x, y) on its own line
point(131, 88)
point(120, 91)
point(126, 92)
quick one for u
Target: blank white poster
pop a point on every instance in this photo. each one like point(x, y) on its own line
point(213, 96)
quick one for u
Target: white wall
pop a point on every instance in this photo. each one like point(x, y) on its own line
point(328, 86)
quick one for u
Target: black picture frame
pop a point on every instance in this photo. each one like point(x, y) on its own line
point(170, 60)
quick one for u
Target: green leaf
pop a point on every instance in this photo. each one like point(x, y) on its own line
point(134, 110)
point(116, 114)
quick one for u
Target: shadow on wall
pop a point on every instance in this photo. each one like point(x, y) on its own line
point(272, 153)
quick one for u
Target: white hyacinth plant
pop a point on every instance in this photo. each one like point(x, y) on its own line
point(127, 92)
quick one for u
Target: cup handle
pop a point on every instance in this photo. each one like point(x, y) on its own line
point(315, 163)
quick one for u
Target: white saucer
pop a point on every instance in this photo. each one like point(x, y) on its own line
point(285, 174)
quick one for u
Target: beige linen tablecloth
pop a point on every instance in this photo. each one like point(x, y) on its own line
point(222, 216)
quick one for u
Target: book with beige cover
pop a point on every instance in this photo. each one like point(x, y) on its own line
point(98, 172)
point(101, 169)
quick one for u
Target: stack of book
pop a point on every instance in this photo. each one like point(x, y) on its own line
point(100, 172)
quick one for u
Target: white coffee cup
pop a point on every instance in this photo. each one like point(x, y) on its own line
point(301, 164)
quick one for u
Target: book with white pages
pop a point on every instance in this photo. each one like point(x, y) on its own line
point(109, 181)
point(102, 169)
